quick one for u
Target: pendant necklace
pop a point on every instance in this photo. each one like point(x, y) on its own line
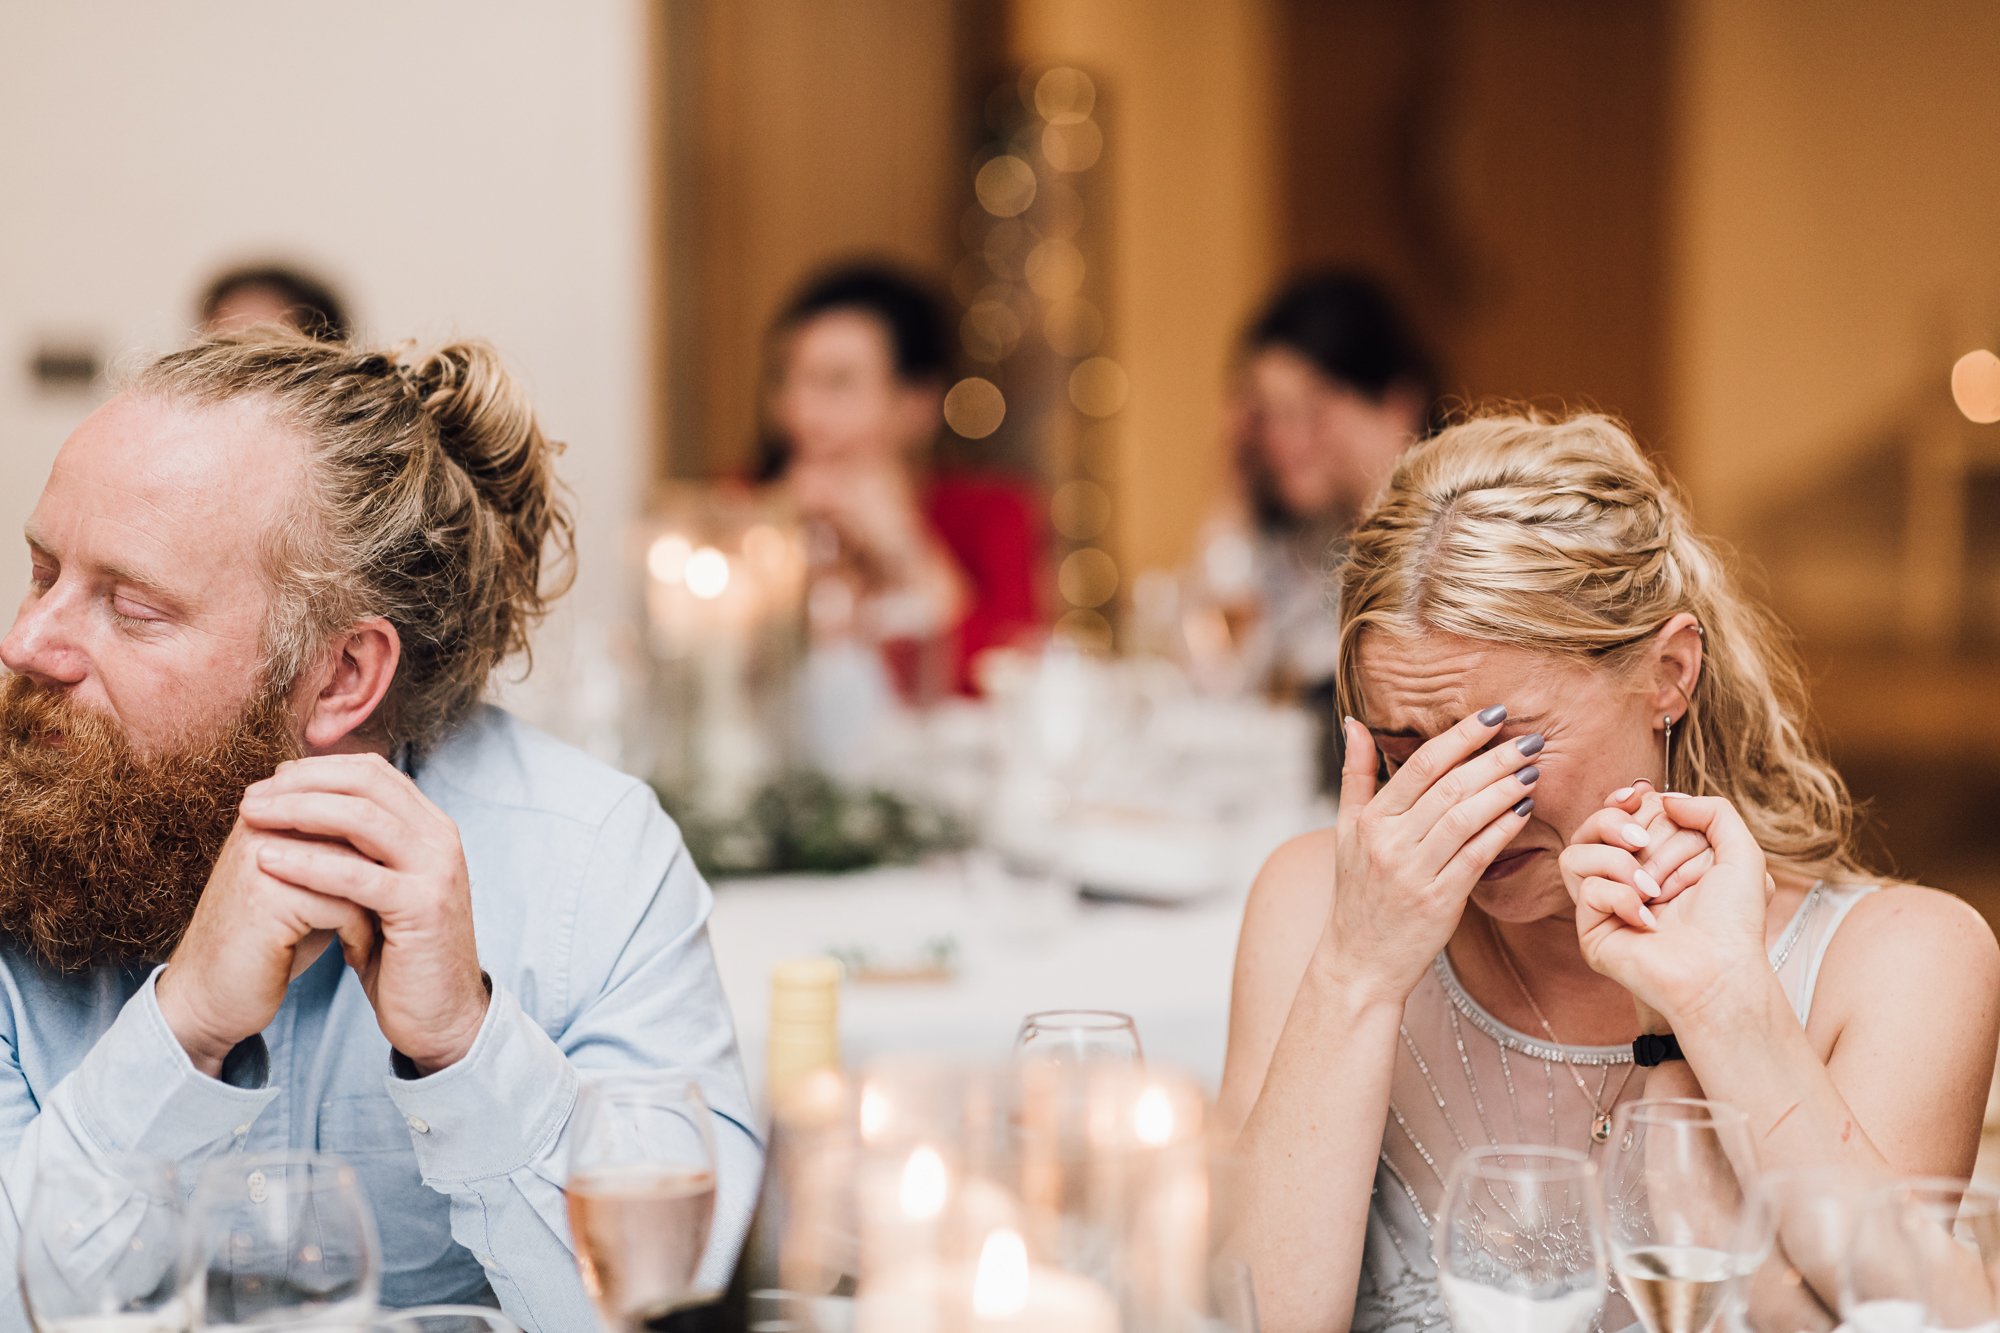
point(1600, 1124)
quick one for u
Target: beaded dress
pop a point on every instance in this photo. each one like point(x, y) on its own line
point(1464, 1080)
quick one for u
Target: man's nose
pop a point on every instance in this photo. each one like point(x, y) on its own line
point(40, 645)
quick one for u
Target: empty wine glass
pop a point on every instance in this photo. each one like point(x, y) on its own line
point(284, 1239)
point(104, 1245)
point(1924, 1255)
point(641, 1191)
point(1686, 1223)
point(1520, 1241)
point(1813, 1212)
point(1079, 1036)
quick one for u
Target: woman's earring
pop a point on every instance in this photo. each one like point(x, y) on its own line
point(1667, 753)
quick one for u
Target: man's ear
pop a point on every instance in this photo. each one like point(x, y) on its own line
point(1678, 655)
point(353, 679)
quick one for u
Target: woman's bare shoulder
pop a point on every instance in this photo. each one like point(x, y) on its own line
point(1908, 934)
point(1298, 876)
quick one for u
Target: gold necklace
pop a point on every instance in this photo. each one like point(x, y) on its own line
point(1600, 1124)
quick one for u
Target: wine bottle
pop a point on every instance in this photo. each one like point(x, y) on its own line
point(808, 1101)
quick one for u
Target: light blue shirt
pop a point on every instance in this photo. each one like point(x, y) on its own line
point(591, 921)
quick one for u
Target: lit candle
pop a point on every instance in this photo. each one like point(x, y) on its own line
point(1004, 1292)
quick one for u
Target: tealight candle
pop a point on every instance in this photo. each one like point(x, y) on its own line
point(1003, 1293)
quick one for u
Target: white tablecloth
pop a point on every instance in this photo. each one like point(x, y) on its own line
point(1168, 967)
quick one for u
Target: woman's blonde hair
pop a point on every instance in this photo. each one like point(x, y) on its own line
point(430, 499)
point(1558, 536)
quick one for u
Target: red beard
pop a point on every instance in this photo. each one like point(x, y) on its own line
point(104, 853)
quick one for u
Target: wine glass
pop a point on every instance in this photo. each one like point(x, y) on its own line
point(1924, 1255)
point(1813, 1212)
point(641, 1191)
point(104, 1244)
point(423, 1319)
point(1079, 1036)
point(1520, 1241)
point(284, 1239)
point(1685, 1220)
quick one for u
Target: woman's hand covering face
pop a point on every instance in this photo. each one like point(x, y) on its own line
point(1411, 850)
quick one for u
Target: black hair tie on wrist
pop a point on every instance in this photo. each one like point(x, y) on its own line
point(1655, 1049)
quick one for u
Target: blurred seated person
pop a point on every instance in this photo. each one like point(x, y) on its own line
point(1332, 387)
point(930, 569)
point(276, 295)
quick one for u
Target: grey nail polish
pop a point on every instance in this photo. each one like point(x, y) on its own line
point(1528, 775)
point(1531, 744)
point(1494, 716)
point(1524, 806)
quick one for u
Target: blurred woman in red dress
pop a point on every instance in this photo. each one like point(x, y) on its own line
point(930, 569)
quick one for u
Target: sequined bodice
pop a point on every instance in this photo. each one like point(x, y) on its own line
point(1463, 1079)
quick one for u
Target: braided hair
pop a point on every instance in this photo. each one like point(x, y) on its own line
point(1559, 536)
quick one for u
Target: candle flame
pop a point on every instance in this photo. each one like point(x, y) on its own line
point(707, 573)
point(1000, 1287)
point(874, 1113)
point(1153, 1118)
point(925, 1185)
point(667, 557)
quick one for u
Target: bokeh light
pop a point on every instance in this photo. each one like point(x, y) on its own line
point(1073, 327)
point(1088, 577)
point(667, 557)
point(967, 277)
point(1058, 211)
point(1099, 387)
point(975, 407)
point(1055, 270)
point(1088, 630)
point(990, 330)
point(708, 573)
point(1073, 147)
point(1005, 186)
point(1080, 510)
point(1065, 95)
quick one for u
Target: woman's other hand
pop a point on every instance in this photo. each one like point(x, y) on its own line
point(1674, 956)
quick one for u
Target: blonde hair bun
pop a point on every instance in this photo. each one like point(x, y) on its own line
point(431, 500)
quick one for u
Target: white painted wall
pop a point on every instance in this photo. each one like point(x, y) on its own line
point(456, 166)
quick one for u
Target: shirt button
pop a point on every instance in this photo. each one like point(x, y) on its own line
point(241, 1130)
point(419, 1125)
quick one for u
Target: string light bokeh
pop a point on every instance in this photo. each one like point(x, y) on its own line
point(1040, 382)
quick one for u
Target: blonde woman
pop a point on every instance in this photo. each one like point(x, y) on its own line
point(1535, 647)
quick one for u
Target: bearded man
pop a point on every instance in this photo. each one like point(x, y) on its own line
point(271, 878)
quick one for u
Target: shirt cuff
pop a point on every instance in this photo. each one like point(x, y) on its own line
point(496, 1110)
point(138, 1092)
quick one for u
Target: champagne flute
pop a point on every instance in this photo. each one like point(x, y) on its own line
point(1924, 1255)
point(284, 1239)
point(1079, 1036)
point(641, 1191)
point(1686, 1221)
point(104, 1247)
point(1520, 1241)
